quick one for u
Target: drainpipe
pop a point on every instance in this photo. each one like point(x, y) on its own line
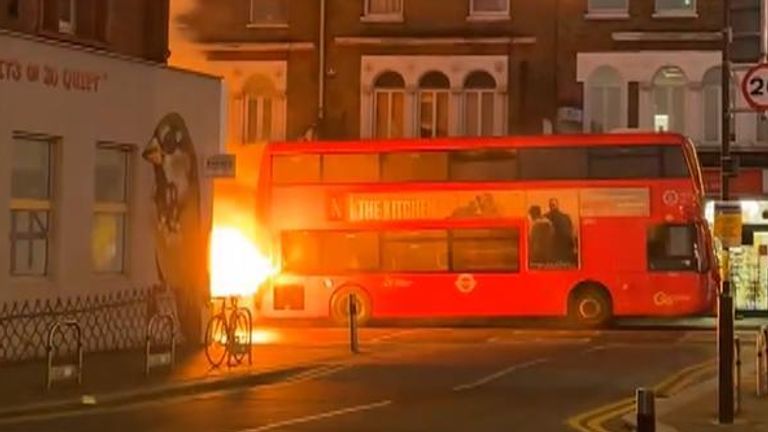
point(321, 67)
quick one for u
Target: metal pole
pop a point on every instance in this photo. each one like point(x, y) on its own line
point(725, 313)
point(646, 410)
point(353, 342)
point(738, 374)
point(759, 364)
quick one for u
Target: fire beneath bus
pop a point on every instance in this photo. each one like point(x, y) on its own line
point(237, 266)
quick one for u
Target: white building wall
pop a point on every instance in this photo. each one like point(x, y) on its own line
point(641, 67)
point(131, 99)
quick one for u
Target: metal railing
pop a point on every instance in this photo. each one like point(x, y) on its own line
point(109, 322)
point(63, 371)
point(161, 331)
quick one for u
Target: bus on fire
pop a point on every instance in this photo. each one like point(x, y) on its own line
point(587, 226)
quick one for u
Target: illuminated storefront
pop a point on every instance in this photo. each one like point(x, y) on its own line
point(749, 262)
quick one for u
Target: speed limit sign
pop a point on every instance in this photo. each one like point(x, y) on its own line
point(755, 87)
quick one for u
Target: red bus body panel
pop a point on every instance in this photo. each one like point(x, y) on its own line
point(612, 250)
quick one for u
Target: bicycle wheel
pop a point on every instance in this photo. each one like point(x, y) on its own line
point(216, 340)
point(241, 332)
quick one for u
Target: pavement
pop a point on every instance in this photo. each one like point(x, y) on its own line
point(696, 408)
point(479, 378)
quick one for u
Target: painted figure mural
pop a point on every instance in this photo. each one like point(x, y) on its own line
point(179, 243)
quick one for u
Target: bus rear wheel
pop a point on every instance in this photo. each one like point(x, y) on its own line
point(590, 306)
point(340, 306)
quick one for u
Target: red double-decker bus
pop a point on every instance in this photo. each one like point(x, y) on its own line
point(585, 226)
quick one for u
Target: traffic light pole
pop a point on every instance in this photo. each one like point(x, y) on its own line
point(725, 312)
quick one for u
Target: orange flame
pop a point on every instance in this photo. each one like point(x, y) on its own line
point(237, 265)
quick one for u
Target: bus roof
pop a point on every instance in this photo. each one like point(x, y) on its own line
point(415, 144)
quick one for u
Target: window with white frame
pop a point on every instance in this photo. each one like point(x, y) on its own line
point(608, 6)
point(489, 7)
point(761, 120)
point(604, 100)
point(67, 11)
point(31, 205)
point(393, 8)
point(257, 112)
point(712, 95)
point(389, 106)
point(673, 7)
point(669, 92)
point(479, 104)
point(269, 12)
point(110, 209)
point(261, 102)
point(434, 100)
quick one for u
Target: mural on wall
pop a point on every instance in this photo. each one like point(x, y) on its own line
point(179, 244)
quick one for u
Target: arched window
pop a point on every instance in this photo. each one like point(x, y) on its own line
point(669, 99)
point(434, 93)
point(259, 106)
point(604, 100)
point(711, 97)
point(479, 103)
point(388, 103)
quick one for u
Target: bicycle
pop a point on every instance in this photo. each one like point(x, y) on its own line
point(228, 334)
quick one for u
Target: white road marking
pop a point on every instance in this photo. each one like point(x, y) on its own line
point(394, 335)
point(594, 349)
point(540, 340)
point(92, 410)
point(322, 416)
point(499, 374)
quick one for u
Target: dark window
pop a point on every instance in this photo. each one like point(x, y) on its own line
point(13, 8)
point(288, 297)
point(483, 165)
point(675, 165)
point(350, 252)
point(624, 162)
point(415, 251)
point(628, 162)
point(329, 252)
point(86, 19)
point(293, 169)
point(553, 163)
point(488, 250)
point(414, 166)
point(672, 248)
point(302, 251)
point(351, 168)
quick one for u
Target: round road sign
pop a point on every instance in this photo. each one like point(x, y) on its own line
point(754, 86)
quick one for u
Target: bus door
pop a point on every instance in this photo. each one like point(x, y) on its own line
point(673, 264)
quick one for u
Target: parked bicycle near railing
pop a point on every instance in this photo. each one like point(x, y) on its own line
point(228, 333)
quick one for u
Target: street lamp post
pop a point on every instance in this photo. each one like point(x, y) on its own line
point(725, 312)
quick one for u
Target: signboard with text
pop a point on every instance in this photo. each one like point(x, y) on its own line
point(220, 166)
point(728, 223)
point(754, 86)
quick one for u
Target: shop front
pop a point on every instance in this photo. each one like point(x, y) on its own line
point(749, 261)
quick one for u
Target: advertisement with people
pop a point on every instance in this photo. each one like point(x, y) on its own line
point(553, 233)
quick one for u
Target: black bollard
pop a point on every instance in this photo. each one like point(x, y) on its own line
point(353, 342)
point(646, 410)
point(726, 353)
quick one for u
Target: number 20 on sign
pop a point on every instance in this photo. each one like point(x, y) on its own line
point(755, 87)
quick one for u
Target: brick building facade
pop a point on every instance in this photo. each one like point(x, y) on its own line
point(136, 28)
point(466, 67)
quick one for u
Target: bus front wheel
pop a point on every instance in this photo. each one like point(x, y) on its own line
point(590, 306)
point(340, 306)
